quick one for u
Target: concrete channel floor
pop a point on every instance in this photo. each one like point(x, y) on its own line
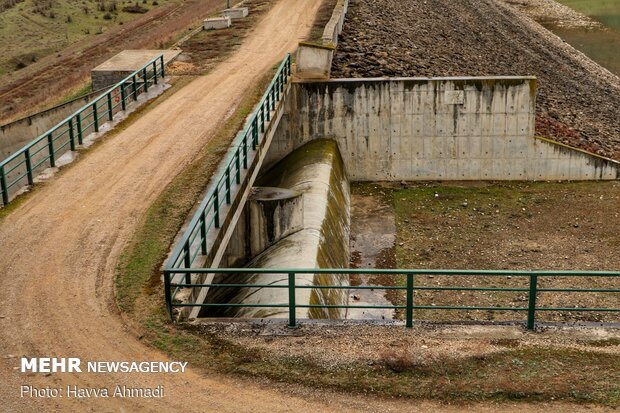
point(59, 250)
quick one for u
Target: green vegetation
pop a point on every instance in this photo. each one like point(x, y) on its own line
point(32, 29)
point(600, 45)
point(605, 11)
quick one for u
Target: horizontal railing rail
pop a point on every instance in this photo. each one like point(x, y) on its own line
point(409, 287)
point(20, 168)
point(195, 242)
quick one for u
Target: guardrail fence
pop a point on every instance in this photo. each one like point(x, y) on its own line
point(410, 286)
point(20, 168)
point(180, 272)
point(207, 219)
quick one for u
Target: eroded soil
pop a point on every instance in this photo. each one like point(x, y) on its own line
point(505, 226)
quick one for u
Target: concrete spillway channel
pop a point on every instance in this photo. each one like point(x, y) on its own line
point(297, 217)
point(399, 129)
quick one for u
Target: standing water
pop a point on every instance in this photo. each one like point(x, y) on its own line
point(601, 44)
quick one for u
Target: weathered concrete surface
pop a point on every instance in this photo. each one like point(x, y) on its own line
point(216, 23)
point(14, 135)
point(432, 129)
point(314, 61)
point(269, 215)
point(274, 214)
point(317, 171)
point(125, 63)
point(236, 13)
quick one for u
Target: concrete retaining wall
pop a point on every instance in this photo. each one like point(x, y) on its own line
point(432, 129)
point(314, 61)
point(15, 135)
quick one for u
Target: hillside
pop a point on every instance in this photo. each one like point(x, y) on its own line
point(32, 29)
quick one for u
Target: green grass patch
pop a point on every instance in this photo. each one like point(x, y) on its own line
point(34, 29)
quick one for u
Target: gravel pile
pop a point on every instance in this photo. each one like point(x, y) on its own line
point(578, 101)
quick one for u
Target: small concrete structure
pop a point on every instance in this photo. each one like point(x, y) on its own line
point(217, 23)
point(314, 60)
point(274, 214)
point(125, 63)
point(236, 13)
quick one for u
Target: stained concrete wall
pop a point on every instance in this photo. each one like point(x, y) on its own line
point(15, 135)
point(316, 171)
point(432, 129)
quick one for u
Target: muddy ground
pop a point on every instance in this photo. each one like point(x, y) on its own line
point(578, 101)
point(500, 226)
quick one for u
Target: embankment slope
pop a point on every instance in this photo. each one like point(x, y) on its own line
point(578, 101)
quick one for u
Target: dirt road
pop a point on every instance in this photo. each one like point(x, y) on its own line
point(58, 252)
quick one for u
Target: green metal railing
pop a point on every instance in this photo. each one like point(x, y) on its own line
point(20, 168)
point(410, 286)
point(208, 218)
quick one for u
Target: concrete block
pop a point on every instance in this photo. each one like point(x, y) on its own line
point(313, 61)
point(236, 13)
point(216, 23)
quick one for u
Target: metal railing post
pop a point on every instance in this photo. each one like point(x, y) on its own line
point(216, 207)
point(262, 118)
point(168, 293)
point(292, 321)
point(134, 87)
point(123, 104)
point(71, 135)
point(50, 146)
point(268, 108)
point(409, 309)
point(155, 72)
point(78, 121)
point(95, 117)
point(531, 307)
point(146, 80)
point(3, 186)
point(110, 112)
point(254, 133)
point(29, 167)
point(227, 178)
point(203, 235)
point(245, 152)
point(187, 260)
point(237, 167)
point(163, 71)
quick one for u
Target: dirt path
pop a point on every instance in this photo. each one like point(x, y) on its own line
point(59, 251)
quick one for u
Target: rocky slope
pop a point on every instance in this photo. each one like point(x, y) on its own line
point(578, 101)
